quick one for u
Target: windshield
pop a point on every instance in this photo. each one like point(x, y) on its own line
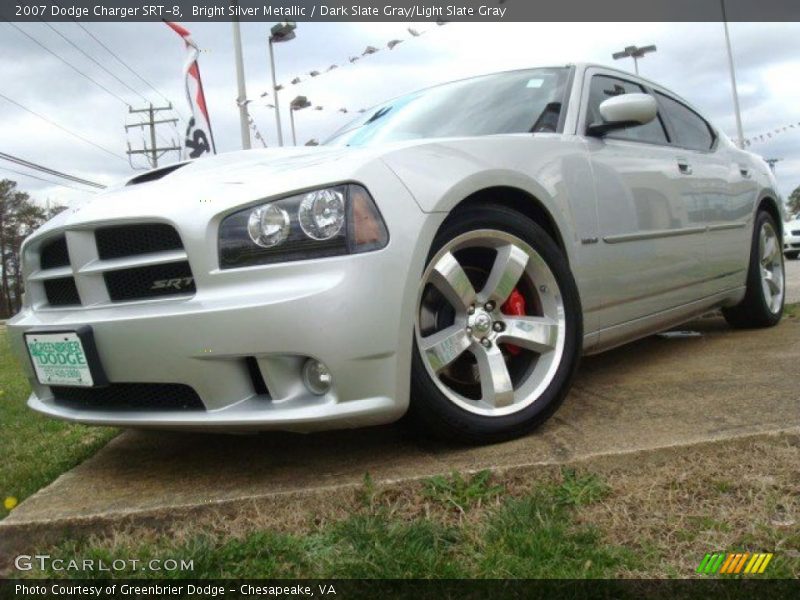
point(514, 102)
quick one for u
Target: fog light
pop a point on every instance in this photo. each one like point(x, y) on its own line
point(317, 377)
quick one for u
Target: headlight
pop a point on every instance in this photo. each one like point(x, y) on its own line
point(330, 221)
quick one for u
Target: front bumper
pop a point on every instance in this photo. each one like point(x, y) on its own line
point(791, 243)
point(354, 313)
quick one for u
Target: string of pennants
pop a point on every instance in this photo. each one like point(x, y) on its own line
point(254, 129)
point(257, 133)
point(765, 137)
point(352, 59)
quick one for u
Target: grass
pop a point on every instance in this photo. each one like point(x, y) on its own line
point(792, 311)
point(638, 516)
point(449, 527)
point(35, 449)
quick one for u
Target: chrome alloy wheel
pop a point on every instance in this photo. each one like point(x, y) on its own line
point(463, 336)
point(771, 263)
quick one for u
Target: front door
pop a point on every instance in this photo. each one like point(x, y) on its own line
point(652, 235)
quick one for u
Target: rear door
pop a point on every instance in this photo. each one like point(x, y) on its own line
point(651, 233)
point(721, 181)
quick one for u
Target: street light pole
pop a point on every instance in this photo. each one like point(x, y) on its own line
point(635, 52)
point(739, 130)
point(275, 94)
point(298, 103)
point(282, 32)
point(242, 90)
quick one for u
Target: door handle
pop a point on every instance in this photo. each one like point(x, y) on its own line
point(684, 167)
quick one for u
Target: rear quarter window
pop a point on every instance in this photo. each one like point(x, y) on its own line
point(689, 129)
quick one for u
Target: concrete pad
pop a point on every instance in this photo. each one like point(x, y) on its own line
point(655, 393)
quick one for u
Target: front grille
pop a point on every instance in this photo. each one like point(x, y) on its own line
point(158, 266)
point(132, 240)
point(149, 282)
point(61, 292)
point(54, 254)
point(129, 396)
point(796, 232)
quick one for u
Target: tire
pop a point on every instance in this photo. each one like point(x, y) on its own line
point(762, 305)
point(454, 402)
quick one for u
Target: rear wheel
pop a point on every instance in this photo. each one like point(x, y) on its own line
point(762, 305)
point(498, 328)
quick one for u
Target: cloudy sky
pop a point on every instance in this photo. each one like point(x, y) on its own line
point(690, 60)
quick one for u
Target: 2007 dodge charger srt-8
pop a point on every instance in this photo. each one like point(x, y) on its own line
point(451, 253)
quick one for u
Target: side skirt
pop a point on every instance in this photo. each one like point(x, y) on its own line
point(611, 337)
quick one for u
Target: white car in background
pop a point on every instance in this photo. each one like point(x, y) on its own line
point(791, 238)
point(452, 252)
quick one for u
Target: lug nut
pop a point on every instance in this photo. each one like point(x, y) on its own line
point(471, 310)
point(489, 306)
point(498, 326)
point(486, 343)
point(469, 329)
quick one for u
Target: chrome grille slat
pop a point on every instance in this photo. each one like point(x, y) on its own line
point(56, 273)
point(130, 262)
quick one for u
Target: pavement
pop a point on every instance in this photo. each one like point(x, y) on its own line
point(792, 281)
point(656, 393)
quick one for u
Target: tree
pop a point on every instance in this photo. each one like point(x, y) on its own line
point(19, 217)
point(794, 201)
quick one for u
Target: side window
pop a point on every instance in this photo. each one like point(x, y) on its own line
point(690, 129)
point(604, 87)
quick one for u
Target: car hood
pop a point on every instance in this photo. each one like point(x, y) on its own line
point(209, 186)
point(215, 184)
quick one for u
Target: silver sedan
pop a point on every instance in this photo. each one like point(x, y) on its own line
point(451, 254)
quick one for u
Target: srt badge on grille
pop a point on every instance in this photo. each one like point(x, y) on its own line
point(178, 283)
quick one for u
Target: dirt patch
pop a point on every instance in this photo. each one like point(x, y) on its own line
point(666, 508)
point(675, 507)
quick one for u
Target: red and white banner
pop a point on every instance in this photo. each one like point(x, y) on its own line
point(199, 137)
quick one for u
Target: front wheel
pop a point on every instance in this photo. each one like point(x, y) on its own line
point(762, 305)
point(498, 328)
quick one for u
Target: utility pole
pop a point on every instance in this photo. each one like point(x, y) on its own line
point(772, 162)
point(153, 153)
point(241, 101)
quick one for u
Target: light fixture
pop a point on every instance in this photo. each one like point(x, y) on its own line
point(317, 377)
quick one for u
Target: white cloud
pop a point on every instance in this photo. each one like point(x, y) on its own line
point(690, 59)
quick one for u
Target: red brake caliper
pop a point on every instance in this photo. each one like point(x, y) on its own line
point(514, 306)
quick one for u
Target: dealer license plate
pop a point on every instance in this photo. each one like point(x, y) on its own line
point(59, 359)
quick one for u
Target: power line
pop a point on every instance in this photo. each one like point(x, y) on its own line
point(46, 180)
point(64, 129)
point(69, 64)
point(37, 167)
point(125, 64)
point(95, 61)
point(104, 68)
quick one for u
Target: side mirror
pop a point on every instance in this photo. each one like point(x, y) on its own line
point(625, 110)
